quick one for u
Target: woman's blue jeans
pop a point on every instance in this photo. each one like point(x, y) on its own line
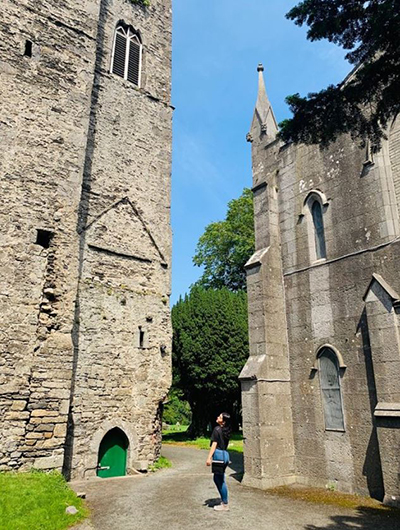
point(219, 478)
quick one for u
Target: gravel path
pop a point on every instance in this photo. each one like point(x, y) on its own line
point(182, 498)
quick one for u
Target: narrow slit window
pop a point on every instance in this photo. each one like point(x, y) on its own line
point(127, 55)
point(28, 48)
point(141, 337)
point(319, 233)
point(329, 373)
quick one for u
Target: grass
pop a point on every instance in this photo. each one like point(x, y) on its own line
point(161, 463)
point(177, 435)
point(37, 501)
point(334, 498)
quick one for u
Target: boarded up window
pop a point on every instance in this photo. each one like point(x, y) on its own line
point(127, 55)
point(331, 391)
point(320, 248)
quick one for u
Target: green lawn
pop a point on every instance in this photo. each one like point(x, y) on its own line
point(176, 435)
point(37, 501)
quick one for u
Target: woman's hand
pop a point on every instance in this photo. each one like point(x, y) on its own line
point(208, 463)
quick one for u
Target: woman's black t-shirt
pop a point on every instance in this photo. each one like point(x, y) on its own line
point(218, 436)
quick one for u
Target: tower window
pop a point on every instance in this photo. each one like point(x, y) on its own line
point(28, 49)
point(141, 337)
point(331, 391)
point(43, 238)
point(127, 54)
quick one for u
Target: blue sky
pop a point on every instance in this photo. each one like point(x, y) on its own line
point(217, 45)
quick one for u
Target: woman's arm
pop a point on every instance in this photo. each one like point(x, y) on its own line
point(210, 453)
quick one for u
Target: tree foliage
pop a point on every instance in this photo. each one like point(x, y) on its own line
point(226, 245)
point(210, 347)
point(177, 409)
point(364, 104)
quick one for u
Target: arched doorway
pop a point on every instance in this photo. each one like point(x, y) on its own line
point(113, 454)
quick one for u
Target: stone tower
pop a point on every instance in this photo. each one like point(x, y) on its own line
point(85, 223)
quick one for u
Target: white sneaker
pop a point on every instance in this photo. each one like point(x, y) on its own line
point(222, 508)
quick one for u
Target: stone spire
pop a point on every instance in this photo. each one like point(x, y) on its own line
point(264, 122)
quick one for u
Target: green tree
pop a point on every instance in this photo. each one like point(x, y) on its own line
point(364, 104)
point(226, 245)
point(210, 347)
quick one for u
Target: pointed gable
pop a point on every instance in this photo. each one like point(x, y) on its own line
point(379, 289)
point(121, 230)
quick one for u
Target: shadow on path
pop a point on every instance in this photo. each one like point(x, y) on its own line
point(236, 465)
point(210, 503)
point(364, 519)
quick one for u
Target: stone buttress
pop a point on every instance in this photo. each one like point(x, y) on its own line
point(265, 379)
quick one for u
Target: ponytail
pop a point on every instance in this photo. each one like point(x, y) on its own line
point(226, 429)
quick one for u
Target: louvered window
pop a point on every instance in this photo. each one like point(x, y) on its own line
point(127, 55)
point(331, 392)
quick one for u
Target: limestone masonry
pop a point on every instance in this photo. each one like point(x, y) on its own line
point(321, 388)
point(85, 231)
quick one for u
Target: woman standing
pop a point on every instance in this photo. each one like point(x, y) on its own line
point(218, 456)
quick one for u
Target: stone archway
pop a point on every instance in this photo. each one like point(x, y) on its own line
point(91, 460)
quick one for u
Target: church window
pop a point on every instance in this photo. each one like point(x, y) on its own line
point(329, 376)
point(314, 209)
point(319, 234)
point(127, 54)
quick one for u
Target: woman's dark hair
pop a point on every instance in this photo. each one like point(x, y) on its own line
point(226, 429)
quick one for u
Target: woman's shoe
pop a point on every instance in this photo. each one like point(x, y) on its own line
point(222, 508)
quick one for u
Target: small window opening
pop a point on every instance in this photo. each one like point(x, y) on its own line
point(141, 337)
point(43, 238)
point(28, 48)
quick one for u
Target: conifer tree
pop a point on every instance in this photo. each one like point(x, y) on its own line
point(210, 347)
point(369, 99)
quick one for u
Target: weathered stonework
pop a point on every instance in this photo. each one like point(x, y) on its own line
point(299, 303)
point(86, 239)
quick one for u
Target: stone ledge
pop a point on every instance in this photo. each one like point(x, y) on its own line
point(387, 410)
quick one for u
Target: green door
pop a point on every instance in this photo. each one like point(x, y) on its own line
point(112, 454)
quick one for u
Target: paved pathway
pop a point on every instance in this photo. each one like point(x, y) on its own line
point(180, 498)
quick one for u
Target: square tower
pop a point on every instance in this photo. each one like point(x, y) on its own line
point(86, 238)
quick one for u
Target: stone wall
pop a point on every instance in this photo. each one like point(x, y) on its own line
point(85, 331)
point(45, 111)
point(325, 303)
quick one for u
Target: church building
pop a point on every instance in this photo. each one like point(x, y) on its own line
point(321, 388)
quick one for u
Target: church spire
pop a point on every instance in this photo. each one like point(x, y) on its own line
point(264, 122)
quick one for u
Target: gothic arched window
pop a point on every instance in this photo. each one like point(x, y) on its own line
point(127, 54)
point(329, 376)
point(314, 209)
point(319, 234)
